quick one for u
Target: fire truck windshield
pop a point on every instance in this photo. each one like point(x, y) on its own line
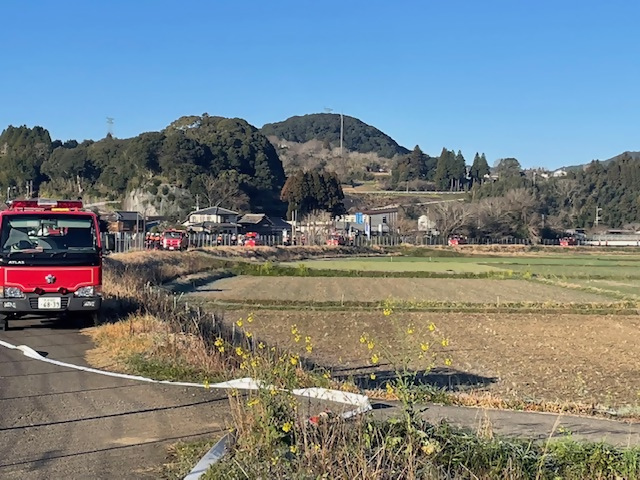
point(47, 233)
point(172, 235)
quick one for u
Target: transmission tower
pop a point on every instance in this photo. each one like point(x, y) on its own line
point(110, 126)
point(329, 110)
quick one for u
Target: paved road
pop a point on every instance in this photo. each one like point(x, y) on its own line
point(528, 425)
point(60, 423)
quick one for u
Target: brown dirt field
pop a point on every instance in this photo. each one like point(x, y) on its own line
point(374, 289)
point(554, 358)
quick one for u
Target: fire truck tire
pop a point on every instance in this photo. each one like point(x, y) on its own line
point(97, 318)
point(4, 323)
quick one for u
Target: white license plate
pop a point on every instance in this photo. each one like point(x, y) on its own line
point(49, 303)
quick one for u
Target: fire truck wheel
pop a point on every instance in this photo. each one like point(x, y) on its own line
point(4, 323)
point(97, 318)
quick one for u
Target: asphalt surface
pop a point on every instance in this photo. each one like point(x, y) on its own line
point(61, 423)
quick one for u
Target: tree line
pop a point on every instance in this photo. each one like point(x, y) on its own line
point(445, 172)
point(525, 205)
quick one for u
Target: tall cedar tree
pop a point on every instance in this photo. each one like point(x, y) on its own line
point(458, 171)
point(309, 191)
point(415, 166)
point(479, 169)
point(443, 169)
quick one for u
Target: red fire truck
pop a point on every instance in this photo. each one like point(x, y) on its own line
point(174, 240)
point(50, 260)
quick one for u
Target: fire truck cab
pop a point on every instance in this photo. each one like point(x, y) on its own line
point(50, 260)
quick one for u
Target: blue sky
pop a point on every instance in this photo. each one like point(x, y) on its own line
point(551, 83)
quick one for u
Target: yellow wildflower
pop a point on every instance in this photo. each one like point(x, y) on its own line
point(387, 312)
point(429, 448)
point(424, 347)
point(363, 338)
point(239, 351)
point(389, 389)
point(239, 322)
point(219, 342)
point(309, 348)
point(374, 358)
point(445, 342)
point(286, 428)
point(410, 329)
point(448, 362)
point(261, 345)
point(372, 376)
point(370, 345)
point(249, 334)
point(250, 318)
point(293, 449)
point(253, 402)
point(432, 327)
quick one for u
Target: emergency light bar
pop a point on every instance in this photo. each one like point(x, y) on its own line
point(45, 204)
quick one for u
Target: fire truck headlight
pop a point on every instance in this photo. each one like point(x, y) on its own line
point(85, 292)
point(12, 292)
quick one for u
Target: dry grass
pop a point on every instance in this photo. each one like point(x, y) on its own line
point(116, 342)
point(338, 289)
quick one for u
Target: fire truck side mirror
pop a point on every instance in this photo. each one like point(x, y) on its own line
point(109, 242)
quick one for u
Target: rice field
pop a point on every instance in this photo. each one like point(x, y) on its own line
point(582, 266)
point(336, 289)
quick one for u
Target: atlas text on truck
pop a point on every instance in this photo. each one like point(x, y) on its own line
point(50, 260)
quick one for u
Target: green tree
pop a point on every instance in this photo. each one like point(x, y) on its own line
point(479, 168)
point(309, 191)
point(508, 167)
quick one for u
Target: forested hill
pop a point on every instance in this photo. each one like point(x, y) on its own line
point(565, 202)
point(325, 127)
point(202, 155)
point(623, 156)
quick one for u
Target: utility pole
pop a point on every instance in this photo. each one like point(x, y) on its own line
point(597, 221)
point(341, 132)
point(329, 110)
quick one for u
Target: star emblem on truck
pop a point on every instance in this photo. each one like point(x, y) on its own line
point(50, 278)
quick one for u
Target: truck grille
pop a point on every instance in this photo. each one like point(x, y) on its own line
point(33, 303)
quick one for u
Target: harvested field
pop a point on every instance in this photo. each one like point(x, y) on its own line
point(564, 358)
point(320, 289)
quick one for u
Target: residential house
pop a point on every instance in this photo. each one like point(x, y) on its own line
point(376, 220)
point(212, 220)
point(262, 224)
point(427, 225)
point(381, 220)
point(124, 221)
